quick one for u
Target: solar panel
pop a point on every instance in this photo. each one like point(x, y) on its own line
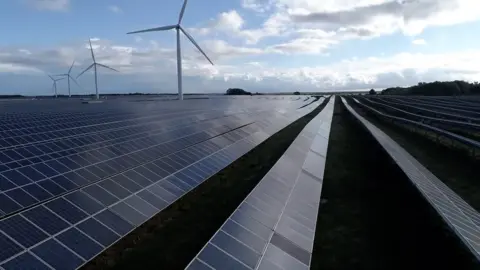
point(63, 215)
point(70, 170)
point(463, 219)
point(274, 227)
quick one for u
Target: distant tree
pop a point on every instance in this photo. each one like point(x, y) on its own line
point(372, 92)
point(10, 96)
point(237, 91)
point(296, 93)
point(447, 88)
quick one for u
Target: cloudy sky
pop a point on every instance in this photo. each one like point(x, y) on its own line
point(260, 45)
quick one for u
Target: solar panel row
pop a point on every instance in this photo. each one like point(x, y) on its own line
point(274, 227)
point(421, 109)
point(63, 151)
point(66, 232)
point(71, 107)
point(463, 219)
point(40, 133)
point(444, 130)
point(68, 170)
point(95, 137)
point(32, 154)
point(18, 121)
point(79, 123)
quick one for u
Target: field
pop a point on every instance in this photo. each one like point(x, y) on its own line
point(373, 218)
point(190, 222)
point(453, 159)
point(147, 183)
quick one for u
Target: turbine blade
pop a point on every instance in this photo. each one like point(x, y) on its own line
point(51, 77)
point(182, 11)
point(108, 67)
point(75, 81)
point(91, 50)
point(60, 75)
point(89, 67)
point(163, 28)
point(71, 67)
point(196, 45)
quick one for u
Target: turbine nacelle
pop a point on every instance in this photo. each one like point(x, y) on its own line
point(94, 65)
point(69, 77)
point(178, 27)
point(54, 85)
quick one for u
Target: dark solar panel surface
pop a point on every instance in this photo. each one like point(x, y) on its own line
point(456, 212)
point(274, 227)
point(73, 183)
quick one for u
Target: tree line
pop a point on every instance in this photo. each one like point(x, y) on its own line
point(437, 88)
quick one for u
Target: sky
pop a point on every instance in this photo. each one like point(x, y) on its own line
point(258, 45)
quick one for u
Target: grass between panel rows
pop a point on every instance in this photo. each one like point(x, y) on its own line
point(455, 168)
point(172, 238)
point(371, 216)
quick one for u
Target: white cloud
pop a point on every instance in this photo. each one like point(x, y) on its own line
point(304, 46)
point(419, 42)
point(256, 5)
point(115, 9)
point(358, 19)
point(230, 20)
point(289, 27)
point(221, 49)
point(138, 64)
point(52, 5)
point(232, 24)
point(410, 17)
point(17, 68)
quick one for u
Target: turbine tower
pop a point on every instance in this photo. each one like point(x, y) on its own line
point(179, 29)
point(68, 76)
point(54, 87)
point(94, 65)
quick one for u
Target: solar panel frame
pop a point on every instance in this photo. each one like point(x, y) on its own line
point(462, 218)
point(206, 173)
point(52, 187)
point(264, 209)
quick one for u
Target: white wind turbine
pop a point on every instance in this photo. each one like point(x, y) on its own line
point(178, 28)
point(94, 65)
point(68, 76)
point(55, 84)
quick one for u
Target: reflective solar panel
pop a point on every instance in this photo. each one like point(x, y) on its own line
point(463, 219)
point(274, 227)
point(96, 180)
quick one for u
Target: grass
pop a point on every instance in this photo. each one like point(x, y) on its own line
point(451, 143)
point(454, 167)
point(371, 217)
point(173, 237)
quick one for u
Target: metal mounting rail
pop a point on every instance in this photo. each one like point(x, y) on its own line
point(448, 134)
point(274, 227)
point(458, 214)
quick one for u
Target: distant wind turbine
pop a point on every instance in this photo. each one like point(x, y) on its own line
point(68, 76)
point(55, 84)
point(178, 28)
point(94, 65)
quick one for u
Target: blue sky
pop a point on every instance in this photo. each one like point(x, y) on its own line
point(260, 45)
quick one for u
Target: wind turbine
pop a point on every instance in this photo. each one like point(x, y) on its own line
point(68, 76)
point(179, 29)
point(55, 84)
point(94, 65)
